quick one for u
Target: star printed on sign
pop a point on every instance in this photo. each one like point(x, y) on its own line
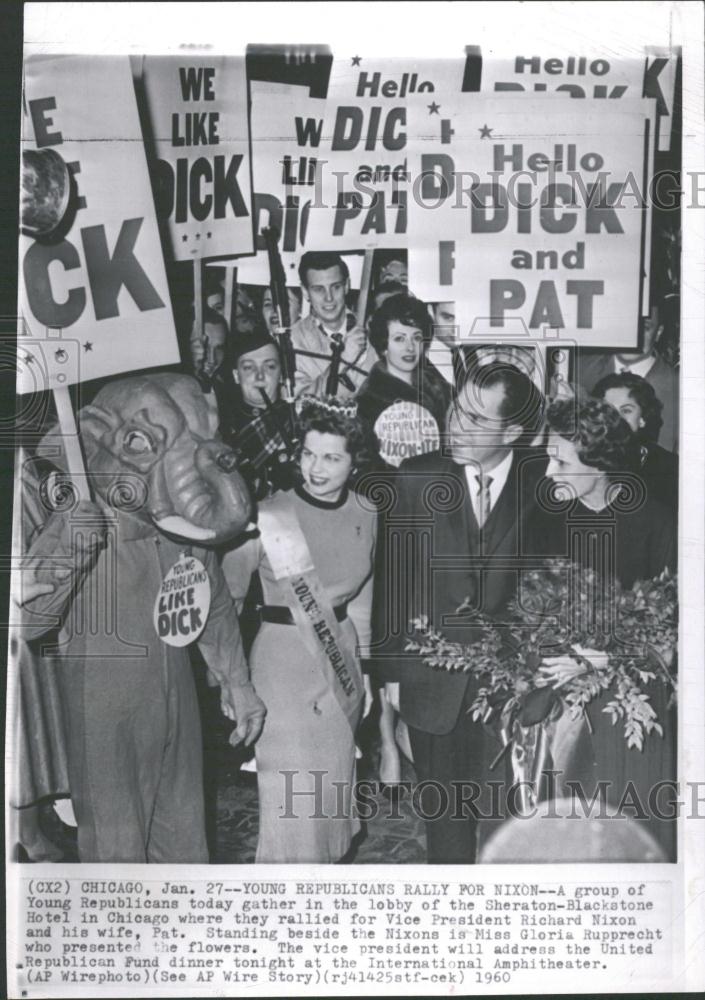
point(433, 108)
point(88, 346)
point(356, 60)
point(485, 132)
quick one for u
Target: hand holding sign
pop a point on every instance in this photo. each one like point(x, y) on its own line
point(197, 346)
point(354, 344)
point(241, 703)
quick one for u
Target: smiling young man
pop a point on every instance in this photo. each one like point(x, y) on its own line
point(329, 326)
point(460, 525)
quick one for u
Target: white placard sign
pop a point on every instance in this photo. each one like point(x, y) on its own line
point(201, 163)
point(99, 277)
point(551, 233)
point(602, 76)
point(364, 145)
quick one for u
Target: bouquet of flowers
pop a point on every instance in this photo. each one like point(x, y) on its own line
point(569, 633)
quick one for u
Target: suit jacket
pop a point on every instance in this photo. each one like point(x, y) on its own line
point(431, 557)
point(659, 470)
point(312, 373)
point(593, 366)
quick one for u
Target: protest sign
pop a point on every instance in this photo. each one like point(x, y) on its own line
point(549, 234)
point(98, 276)
point(255, 270)
point(200, 152)
point(608, 78)
point(288, 85)
point(285, 125)
point(360, 144)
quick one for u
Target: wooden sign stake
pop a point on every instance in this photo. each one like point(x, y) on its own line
point(365, 282)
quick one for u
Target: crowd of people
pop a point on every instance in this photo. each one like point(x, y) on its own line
point(384, 487)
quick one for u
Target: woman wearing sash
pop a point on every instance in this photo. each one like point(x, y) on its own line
point(315, 556)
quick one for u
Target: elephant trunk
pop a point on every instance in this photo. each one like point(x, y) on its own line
point(200, 495)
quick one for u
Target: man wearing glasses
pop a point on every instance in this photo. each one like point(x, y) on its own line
point(461, 519)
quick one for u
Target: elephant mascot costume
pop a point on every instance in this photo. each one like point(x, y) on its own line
point(135, 582)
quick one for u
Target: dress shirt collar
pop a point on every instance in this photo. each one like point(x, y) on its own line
point(499, 474)
point(641, 368)
point(343, 328)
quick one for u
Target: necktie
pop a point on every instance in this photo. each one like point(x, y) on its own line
point(336, 342)
point(484, 502)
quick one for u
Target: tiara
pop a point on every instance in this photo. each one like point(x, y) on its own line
point(326, 404)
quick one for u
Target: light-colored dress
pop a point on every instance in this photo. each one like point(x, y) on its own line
point(306, 753)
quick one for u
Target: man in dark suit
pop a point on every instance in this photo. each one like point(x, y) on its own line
point(460, 522)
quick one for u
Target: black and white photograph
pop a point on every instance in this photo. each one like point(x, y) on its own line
point(357, 508)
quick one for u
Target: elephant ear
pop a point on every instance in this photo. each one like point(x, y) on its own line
point(94, 423)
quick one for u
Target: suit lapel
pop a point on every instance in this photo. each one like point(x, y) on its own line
point(460, 530)
point(460, 538)
point(660, 376)
point(460, 521)
point(454, 547)
point(504, 514)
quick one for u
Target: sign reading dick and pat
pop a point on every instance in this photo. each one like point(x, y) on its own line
point(197, 111)
point(91, 261)
point(514, 226)
point(361, 180)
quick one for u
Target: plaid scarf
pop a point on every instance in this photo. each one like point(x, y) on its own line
point(263, 442)
point(260, 438)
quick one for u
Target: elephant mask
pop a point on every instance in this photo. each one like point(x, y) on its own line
point(151, 450)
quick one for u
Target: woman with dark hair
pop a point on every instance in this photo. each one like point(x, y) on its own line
point(609, 525)
point(315, 556)
point(405, 398)
point(638, 404)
